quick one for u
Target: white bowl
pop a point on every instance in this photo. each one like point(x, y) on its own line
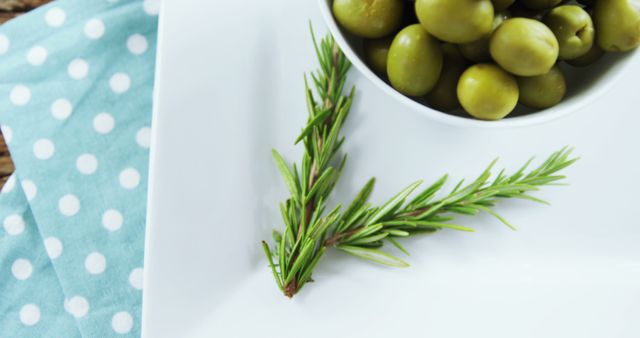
point(584, 85)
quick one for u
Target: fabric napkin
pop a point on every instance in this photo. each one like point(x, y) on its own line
point(76, 80)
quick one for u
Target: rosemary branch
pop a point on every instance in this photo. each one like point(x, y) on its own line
point(362, 229)
point(300, 247)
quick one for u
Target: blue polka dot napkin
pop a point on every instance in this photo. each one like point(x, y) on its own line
point(75, 109)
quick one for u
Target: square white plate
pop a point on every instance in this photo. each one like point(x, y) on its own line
point(229, 88)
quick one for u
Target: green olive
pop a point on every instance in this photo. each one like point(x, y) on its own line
point(487, 92)
point(618, 24)
point(375, 52)
point(458, 21)
point(478, 50)
point(414, 62)
point(540, 4)
point(594, 54)
point(543, 91)
point(524, 47)
point(573, 28)
point(443, 96)
point(369, 18)
point(500, 5)
point(452, 52)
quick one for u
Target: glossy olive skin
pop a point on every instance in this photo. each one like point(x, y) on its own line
point(500, 5)
point(478, 50)
point(573, 28)
point(458, 21)
point(524, 47)
point(591, 57)
point(443, 96)
point(618, 25)
point(369, 18)
point(543, 91)
point(539, 4)
point(487, 92)
point(375, 53)
point(414, 62)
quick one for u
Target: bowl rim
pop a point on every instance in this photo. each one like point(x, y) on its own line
point(532, 119)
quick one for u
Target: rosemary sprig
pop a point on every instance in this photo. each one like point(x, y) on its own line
point(300, 247)
point(363, 229)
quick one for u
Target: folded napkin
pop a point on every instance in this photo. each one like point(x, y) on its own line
point(75, 106)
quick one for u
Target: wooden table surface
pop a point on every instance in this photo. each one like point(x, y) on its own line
point(8, 10)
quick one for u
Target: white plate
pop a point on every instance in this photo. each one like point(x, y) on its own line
point(229, 88)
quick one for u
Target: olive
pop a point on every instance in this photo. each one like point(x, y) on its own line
point(524, 47)
point(543, 91)
point(458, 21)
point(500, 5)
point(414, 62)
point(443, 96)
point(618, 24)
point(594, 54)
point(376, 51)
point(452, 52)
point(540, 4)
point(487, 92)
point(369, 18)
point(478, 50)
point(573, 28)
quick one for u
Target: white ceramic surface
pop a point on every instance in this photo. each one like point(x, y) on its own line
point(229, 88)
point(585, 85)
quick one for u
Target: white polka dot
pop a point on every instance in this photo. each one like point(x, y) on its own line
point(20, 95)
point(136, 278)
point(7, 132)
point(13, 224)
point(103, 123)
point(43, 149)
point(95, 263)
point(69, 205)
point(78, 69)
point(4, 43)
point(87, 164)
point(77, 306)
point(30, 189)
point(137, 44)
point(94, 29)
point(152, 7)
point(21, 269)
point(122, 322)
point(120, 83)
point(53, 246)
point(9, 184)
point(61, 109)
point(129, 178)
point(30, 314)
point(143, 137)
point(55, 17)
point(112, 219)
point(37, 55)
